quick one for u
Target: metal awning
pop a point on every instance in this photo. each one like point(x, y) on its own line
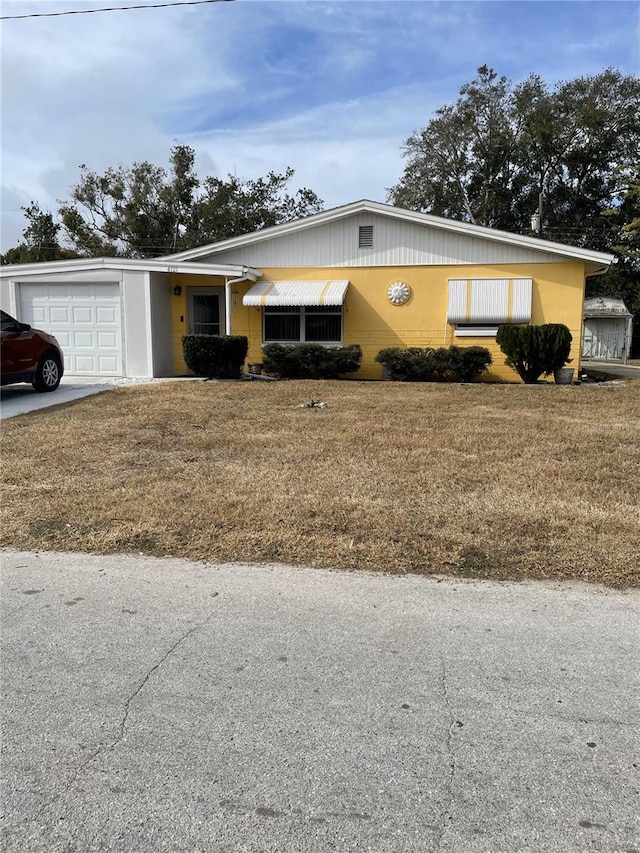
point(299, 293)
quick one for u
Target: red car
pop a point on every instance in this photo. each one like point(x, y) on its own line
point(29, 355)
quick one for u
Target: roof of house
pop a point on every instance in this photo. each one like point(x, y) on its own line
point(199, 261)
point(164, 264)
point(595, 259)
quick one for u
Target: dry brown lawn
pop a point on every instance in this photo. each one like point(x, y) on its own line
point(495, 481)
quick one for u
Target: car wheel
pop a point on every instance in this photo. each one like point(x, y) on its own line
point(49, 373)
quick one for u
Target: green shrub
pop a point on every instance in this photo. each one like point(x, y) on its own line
point(310, 361)
point(215, 356)
point(469, 362)
point(452, 364)
point(407, 365)
point(535, 350)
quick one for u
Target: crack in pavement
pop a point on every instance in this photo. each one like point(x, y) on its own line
point(123, 722)
point(446, 812)
point(127, 707)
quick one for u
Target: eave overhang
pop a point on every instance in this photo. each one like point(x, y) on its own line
point(163, 265)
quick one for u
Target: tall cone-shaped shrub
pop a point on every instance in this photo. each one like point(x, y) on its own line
point(535, 350)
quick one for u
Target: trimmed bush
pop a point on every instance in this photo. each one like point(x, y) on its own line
point(215, 356)
point(535, 350)
point(469, 362)
point(452, 364)
point(310, 361)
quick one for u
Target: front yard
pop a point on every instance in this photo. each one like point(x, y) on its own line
point(501, 481)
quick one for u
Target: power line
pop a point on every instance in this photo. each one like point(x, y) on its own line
point(111, 9)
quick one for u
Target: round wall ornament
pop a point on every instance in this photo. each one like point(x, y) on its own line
point(398, 292)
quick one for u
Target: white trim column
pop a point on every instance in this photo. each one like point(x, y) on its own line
point(227, 306)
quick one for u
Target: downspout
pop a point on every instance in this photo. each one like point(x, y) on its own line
point(227, 298)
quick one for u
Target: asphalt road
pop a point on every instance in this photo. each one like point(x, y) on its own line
point(158, 705)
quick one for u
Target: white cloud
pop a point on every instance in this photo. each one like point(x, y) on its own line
point(331, 89)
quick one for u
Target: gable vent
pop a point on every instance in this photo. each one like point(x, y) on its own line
point(365, 237)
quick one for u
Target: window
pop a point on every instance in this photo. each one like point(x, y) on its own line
point(205, 314)
point(365, 237)
point(318, 324)
point(476, 307)
point(282, 324)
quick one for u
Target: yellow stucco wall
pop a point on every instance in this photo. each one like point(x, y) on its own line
point(373, 322)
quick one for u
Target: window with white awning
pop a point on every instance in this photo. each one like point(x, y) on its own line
point(299, 311)
point(478, 306)
point(300, 293)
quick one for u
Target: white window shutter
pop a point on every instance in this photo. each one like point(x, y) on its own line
point(521, 301)
point(457, 307)
point(490, 300)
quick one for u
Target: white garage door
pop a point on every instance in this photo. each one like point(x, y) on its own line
point(85, 318)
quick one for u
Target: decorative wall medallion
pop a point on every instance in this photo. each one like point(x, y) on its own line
point(398, 292)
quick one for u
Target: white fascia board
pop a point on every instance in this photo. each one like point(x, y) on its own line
point(237, 271)
point(599, 259)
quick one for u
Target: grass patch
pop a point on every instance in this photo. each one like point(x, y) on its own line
point(491, 481)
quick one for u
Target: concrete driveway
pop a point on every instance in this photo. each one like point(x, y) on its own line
point(21, 398)
point(624, 371)
point(158, 705)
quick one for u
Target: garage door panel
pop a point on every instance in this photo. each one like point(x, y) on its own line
point(39, 317)
point(107, 340)
point(59, 314)
point(85, 364)
point(106, 315)
point(107, 364)
point(83, 314)
point(84, 340)
point(85, 318)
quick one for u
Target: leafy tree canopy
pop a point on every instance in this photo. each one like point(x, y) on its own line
point(40, 240)
point(144, 210)
point(486, 158)
point(490, 156)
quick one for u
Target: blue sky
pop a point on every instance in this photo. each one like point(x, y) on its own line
point(331, 89)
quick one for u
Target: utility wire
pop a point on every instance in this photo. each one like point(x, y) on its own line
point(111, 9)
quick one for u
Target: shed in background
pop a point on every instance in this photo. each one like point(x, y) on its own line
point(608, 326)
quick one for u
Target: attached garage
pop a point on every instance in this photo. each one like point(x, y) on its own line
point(116, 316)
point(86, 320)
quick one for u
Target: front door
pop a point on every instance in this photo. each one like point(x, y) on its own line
point(206, 311)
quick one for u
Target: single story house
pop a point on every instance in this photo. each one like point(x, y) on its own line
point(608, 327)
point(364, 273)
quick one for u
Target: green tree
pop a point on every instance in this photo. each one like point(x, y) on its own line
point(145, 211)
point(487, 158)
point(40, 239)
point(230, 207)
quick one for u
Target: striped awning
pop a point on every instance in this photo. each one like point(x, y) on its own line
point(305, 293)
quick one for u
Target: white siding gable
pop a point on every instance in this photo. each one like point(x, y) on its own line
point(395, 243)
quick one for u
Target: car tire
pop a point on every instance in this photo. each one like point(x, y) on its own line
point(49, 373)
